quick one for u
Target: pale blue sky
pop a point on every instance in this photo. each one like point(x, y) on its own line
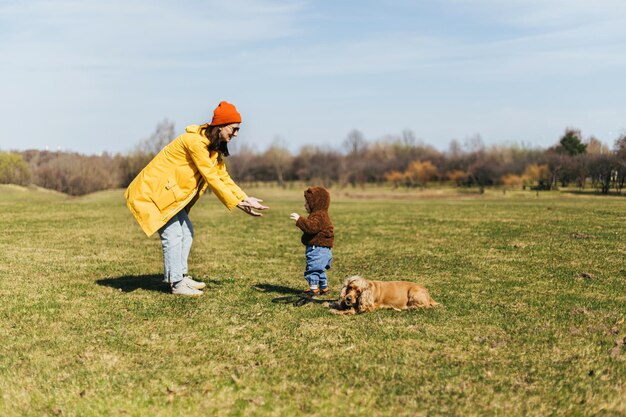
point(93, 76)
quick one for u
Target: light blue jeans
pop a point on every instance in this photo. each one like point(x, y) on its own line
point(318, 260)
point(176, 238)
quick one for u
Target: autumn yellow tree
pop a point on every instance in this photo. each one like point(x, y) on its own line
point(13, 169)
point(457, 176)
point(536, 173)
point(395, 177)
point(512, 181)
point(421, 172)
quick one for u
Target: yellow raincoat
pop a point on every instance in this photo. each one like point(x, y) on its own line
point(176, 178)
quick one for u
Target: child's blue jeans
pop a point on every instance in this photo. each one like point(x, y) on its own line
point(318, 260)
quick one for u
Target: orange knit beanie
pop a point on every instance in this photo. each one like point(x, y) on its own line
point(224, 114)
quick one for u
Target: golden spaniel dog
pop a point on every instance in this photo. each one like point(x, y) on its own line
point(359, 295)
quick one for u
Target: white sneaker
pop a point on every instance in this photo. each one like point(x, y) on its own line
point(198, 285)
point(184, 288)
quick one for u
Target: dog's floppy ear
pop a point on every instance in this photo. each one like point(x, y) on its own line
point(366, 299)
point(346, 285)
point(342, 293)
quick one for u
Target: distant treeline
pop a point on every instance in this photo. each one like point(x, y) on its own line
point(401, 161)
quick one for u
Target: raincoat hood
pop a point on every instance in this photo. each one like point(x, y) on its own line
point(196, 129)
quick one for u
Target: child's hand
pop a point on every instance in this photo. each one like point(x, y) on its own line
point(294, 216)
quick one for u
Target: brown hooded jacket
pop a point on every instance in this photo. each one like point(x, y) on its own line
point(317, 227)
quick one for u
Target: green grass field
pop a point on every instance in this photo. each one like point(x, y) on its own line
point(87, 329)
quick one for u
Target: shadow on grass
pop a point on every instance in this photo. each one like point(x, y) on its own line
point(130, 283)
point(276, 288)
point(595, 193)
point(150, 282)
point(294, 296)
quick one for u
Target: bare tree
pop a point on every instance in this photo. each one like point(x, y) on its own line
point(455, 151)
point(355, 165)
point(279, 158)
point(474, 144)
point(139, 157)
point(620, 162)
point(163, 134)
point(315, 165)
point(408, 138)
point(603, 171)
point(242, 162)
point(485, 171)
point(355, 143)
point(76, 174)
point(596, 147)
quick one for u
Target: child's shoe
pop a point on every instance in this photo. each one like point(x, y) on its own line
point(324, 291)
point(311, 292)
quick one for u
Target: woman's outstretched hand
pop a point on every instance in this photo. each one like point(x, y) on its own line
point(294, 216)
point(250, 204)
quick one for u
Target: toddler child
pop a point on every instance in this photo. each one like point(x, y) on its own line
point(318, 236)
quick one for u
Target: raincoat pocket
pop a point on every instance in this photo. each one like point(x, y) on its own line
point(168, 195)
point(163, 200)
point(175, 189)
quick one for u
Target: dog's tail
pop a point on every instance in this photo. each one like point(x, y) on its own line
point(420, 297)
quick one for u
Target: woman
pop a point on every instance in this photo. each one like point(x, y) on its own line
point(165, 190)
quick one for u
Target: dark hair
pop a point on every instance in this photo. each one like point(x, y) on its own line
point(221, 147)
point(216, 144)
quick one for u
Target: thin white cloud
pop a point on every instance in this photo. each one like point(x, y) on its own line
point(585, 49)
point(140, 33)
point(541, 13)
point(67, 62)
point(575, 36)
point(93, 33)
